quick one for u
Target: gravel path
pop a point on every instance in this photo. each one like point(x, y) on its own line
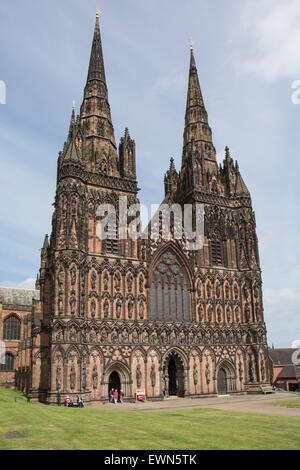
point(244, 403)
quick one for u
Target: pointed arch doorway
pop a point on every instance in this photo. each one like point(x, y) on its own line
point(114, 382)
point(173, 376)
point(222, 382)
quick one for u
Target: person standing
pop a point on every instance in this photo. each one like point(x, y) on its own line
point(116, 395)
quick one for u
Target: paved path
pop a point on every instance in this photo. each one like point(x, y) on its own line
point(244, 403)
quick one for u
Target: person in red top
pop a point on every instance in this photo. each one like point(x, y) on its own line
point(116, 396)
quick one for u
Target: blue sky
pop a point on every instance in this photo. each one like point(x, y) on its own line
point(247, 55)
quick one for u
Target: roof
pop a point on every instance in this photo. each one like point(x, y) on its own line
point(14, 296)
point(289, 372)
point(281, 357)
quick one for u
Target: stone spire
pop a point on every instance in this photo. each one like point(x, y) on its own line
point(95, 117)
point(197, 133)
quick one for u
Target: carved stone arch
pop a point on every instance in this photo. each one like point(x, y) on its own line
point(123, 371)
point(226, 377)
point(174, 372)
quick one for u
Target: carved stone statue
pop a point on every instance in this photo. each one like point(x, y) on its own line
point(130, 309)
point(105, 281)
point(93, 280)
point(106, 308)
point(118, 309)
point(95, 377)
point(73, 304)
point(195, 373)
point(58, 377)
point(73, 275)
point(129, 282)
point(117, 281)
point(72, 378)
point(138, 376)
point(141, 284)
point(93, 308)
point(141, 310)
point(153, 376)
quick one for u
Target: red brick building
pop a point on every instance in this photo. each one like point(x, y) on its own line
point(283, 372)
point(144, 314)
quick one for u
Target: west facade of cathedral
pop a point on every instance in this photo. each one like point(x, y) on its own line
point(144, 314)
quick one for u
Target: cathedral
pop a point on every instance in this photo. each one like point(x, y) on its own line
point(142, 315)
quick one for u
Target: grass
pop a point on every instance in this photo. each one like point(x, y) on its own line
point(48, 427)
point(287, 404)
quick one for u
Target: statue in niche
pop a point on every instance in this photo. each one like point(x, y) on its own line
point(73, 275)
point(236, 291)
point(130, 309)
point(73, 304)
point(210, 313)
point(208, 289)
point(59, 335)
point(84, 377)
point(60, 302)
point(199, 289)
point(93, 308)
point(227, 291)
point(95, 377)
point(219, 313)
point(105, 281)
point(93, 280)
point(145, 337)
point(138, 376)
point(124, 336)
point(237, 315)
point(114, 337)
point(153, 375)
point(246, 291)
point(73, 333)
point(106, 308)
point(61, 277)
point(141, 310)
point(118, 309)
point(247, 312)
point(141, 284)
point(228, 315)
point(117, 281)
point(207, 373)
point(195, 373)
point(218, 290)
point(58, 377)
point(135, 336)
point(72, 378)
point(129, 282)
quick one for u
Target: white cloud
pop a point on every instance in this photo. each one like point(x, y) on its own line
point(272, 30)
point(172, 84)
point(26, 284)
point(274, 297)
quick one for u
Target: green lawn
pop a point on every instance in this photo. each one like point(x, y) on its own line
point(288, 404)
point(66, 428)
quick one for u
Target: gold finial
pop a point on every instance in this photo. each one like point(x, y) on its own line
point(191, 43)
point(98, 12)
point(73, 104)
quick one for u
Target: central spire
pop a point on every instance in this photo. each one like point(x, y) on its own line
point(197, 133)
point(95, 117)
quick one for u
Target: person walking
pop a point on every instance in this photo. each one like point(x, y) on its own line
point(116, 395)
point(111, 395)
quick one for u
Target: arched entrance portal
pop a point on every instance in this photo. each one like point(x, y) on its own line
point(173, 376)
point(222, 382)
point(114, 382)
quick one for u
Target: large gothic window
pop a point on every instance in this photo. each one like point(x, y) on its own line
point(169, 292)
point(11, 328)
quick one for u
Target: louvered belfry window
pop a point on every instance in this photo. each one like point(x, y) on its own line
point(216, 252)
